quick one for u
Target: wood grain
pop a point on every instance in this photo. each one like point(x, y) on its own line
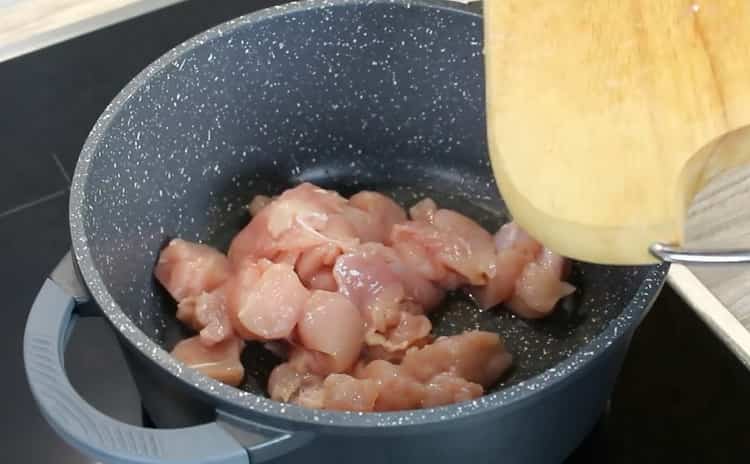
point(606, 116)
point(720, 218)
point(27, 25)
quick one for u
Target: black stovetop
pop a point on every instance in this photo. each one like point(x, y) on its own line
point(681, 394)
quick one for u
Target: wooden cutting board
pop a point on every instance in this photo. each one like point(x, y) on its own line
point(605, 117)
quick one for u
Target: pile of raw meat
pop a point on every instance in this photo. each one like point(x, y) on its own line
point(340, 289)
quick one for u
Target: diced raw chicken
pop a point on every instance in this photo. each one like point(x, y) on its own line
point(317, 260)
point(476, 356)
point(288, 257)
point(236, 291)
point(340, 288)
point(418, 259)
point(220, 361)
point(254, 241)
point(539, 287)
point(323, 280)
point(379, 353)
point(336, 392)
point(365, 277)
point(419, 289)
point(310, 361)
point(258, 203)
point(280, 348)
point(305, 199)
point(512, 236)
point(453, 241)
point(300, 218)
point(471, 250)
point(424, 211)
point(345, 393)
point(207, 314)
point(382, 213)
point(411, 330)
point(284, 382)
point(267, 308)
point(288, 385)
point(311, 393)
point(397, 390)
point(378, 282)
point(188, 269)
point(515, 249)
point(447, 388)
point(332, 325)
point(509, 264)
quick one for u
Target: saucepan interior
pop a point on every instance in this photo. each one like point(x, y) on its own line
point(349, 96)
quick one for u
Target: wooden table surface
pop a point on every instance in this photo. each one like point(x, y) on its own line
point(28, 25)
point(720, 216)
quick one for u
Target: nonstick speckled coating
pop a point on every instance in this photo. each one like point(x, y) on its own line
point(346, 94)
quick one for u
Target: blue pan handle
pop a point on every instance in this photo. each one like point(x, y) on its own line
point(86, 428)
point(109, 440)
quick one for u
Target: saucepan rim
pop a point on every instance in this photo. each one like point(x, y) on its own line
point(239, 400)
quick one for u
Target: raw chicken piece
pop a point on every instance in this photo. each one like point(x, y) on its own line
point(379, 353)
point(455, 242)
point(509, 264)
point(447, 389)
point(418, 260)
point(284, 382)
point(237, 288)
point(345, 393)
point(291, 382)
point(279, 348)
point(220, 361)
point(305, 199)
point(512, 236)
point(258, 203)
point(323, 280)
point(515, 249)
point(188, 269)
point(424, 211)
point(267, 308)
point(419, 289)
point(382, 214)
point(300, 218)
point(310, 361)
point(397, 390)
point(254, 241)
point(313, 262)
point(288, 257)
point(207, 314)
point(366, 279)
point(332, 325)
point(411, 331)
point(540, 286)
point(471, 251)
point(288, 385)
point(378, 282)
point(476, 356)
point(311, 393)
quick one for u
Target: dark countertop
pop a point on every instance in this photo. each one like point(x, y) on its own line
point(681, 394)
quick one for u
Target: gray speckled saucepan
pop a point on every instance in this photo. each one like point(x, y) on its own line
point(348, 94)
